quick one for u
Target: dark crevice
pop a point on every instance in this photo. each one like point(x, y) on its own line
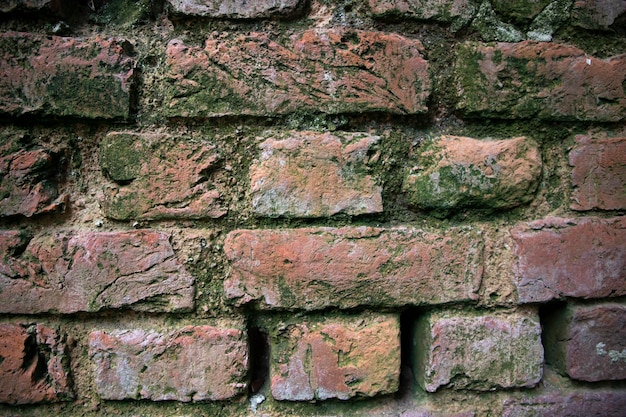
point(259, 359)
point(408, 353)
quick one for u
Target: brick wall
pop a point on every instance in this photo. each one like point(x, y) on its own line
point(312, 208)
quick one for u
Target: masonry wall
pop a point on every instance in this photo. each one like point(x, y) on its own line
point(313, 208)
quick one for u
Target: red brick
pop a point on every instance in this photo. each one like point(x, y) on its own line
point(315, 268)
point(453, 172)
point(68, 272)
point(597, 14)
point(584, 258)
point(33, 364)
point(459, 12)
point(308, 174)
point(195, 363)
point(233, 9)
point(319, 70)
point(479, 352)
point(29, 183)
point(336, 357)
point(62, 76)
point(159, 177)
point(539, 79)
point(591, 403)
point(599, 173)
point(588, 343)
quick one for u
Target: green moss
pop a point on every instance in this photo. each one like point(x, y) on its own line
point(121, 157)
point(124, 13)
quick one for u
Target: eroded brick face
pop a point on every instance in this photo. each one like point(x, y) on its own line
point(33, 364)
point(325, 70)
point(71, 272)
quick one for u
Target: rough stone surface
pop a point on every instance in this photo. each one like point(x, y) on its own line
point(159, 177)
point(520, 9)
point(76, 271)
point(539, 79)
point(13, 5)
point(318, 70)
point(596, 403)
point(597, 14)
point(478, 352)
point(62, 76)
point(455, 172)
point(584, 258)
point(588, 343)
point(195, 363)
point(308, 174)
point(29, 181)
point(457, 11)
point(599, 173)
point(336, 357)
point(314, 268)
point(236, 9)
point(33, 364)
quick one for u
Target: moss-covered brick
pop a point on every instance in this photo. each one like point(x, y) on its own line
point(320, 70)
point(457, 12)
point(232, 9)
point(538, 79)
point(62, 76)
point(159, 177)
point(452, 172)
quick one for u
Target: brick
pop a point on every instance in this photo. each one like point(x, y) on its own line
point(234, 9)
point(319, 70)
point(596, 14)
point(454, 172)
point(159, 177)
point(542, 80)
point(15, 5)
point(591, 403)
point(73, 271)
point(62, 76)
point(588, 343)
point(557, 257)
point(33, 364)
point(194, 363)
point(336, 357)
point(29, 180)
point(459, 12)
point(598, 173)
point(315, 268)
point(478, 352)
point(520, 10)
point(309, 174)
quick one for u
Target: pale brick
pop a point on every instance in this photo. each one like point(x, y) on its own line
point(579, 403)
point(194, 363)
point(308, 174)
point(236, 9)
point(479, 352)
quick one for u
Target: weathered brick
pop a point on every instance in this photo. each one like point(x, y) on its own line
point(59, 76)
point(68, 272)
point(159, 177)
point(29, 180)
point(236, 9)
point(195, 363)
point(308, 174)
point(591, 403)
point(319, 70)
point(599, 173)
point(597, 14)
point(314, 268)
point(521, 10)
point(33, 364)
point(588, 343)
point(336, 357)
point(479, 352)
point(459, 12)
point(539, 79)
point(454, 172)
point(584, 258)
